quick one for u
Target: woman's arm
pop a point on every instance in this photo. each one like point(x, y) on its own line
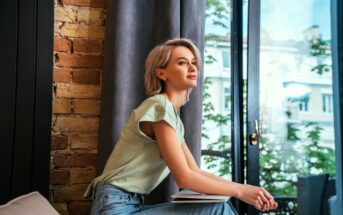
point(186, 177)
point(193, 165)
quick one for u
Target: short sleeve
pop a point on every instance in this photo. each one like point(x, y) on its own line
point(155, 111)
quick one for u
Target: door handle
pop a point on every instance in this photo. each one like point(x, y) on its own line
point(254, 136)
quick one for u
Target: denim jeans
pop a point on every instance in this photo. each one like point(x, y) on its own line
point(110, 200)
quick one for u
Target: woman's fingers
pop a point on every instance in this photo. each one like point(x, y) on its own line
point(272, 203)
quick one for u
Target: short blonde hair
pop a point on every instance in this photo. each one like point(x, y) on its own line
point(159, 58)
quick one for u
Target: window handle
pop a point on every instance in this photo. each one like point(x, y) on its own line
point(254, 136)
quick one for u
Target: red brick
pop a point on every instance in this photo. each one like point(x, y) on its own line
point(77, 91)
point(87, 3)
point(62, 45)
point(60, 105)
point(74, 192)
point(82, 176)
point(59, 142)
point(59, 177)
point(71, 123)
point(86, 106)
point(62, 75)
point(74, 160)
point(84, 141)
point(91, 46)
point(80, 207)
point(79, 61)
point(86, 76)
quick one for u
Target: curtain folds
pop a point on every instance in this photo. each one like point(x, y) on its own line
point(133, 28)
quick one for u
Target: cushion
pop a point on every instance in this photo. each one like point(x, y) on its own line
point(333, 205)
point(30, 204)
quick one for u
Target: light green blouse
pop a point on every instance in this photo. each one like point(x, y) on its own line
point(136, 164)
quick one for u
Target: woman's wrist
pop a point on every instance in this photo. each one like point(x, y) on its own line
point(237, 190)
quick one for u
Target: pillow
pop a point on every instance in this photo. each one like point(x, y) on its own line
point(30, 204)
point(333, 205)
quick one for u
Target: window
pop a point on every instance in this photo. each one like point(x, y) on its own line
point(327, 103)
point(226, 59)
point(303, 105)
point(226, 98)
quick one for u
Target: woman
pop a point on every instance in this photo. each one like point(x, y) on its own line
point(152, 144)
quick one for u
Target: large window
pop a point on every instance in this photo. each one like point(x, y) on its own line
point(294, 85)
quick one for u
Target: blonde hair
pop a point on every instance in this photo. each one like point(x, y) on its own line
point(159, 58)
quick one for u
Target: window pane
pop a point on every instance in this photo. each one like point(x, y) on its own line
point(295, 94)
point(216, 95)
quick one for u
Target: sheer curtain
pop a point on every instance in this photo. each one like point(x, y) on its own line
point(133, 28)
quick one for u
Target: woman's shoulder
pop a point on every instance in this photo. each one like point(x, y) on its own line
point(156, 100)
point(157, 105)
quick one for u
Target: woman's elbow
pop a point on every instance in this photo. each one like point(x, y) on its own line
point(183, 179)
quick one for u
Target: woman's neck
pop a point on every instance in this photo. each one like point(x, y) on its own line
point(177, 99)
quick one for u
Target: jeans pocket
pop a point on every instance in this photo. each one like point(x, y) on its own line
point(112, 201)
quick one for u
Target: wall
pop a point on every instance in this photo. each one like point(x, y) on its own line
point(78, 56)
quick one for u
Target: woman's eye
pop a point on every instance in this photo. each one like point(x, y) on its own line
point(181, 62)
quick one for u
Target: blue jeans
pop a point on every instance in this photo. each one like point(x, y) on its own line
point(110, 200)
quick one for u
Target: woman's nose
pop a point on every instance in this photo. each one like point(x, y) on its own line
point(192, 67)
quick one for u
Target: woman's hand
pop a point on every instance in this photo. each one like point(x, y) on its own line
point(258, 197)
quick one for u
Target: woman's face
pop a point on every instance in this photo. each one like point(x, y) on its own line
point(181, 72)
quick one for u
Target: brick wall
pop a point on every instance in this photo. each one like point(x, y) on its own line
point(78, 57)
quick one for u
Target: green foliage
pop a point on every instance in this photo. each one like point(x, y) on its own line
point(320, 48)
point(320, 158)
point(217, 154)
point(218, 11)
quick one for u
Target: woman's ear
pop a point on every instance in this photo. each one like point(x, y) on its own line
point(161, 74)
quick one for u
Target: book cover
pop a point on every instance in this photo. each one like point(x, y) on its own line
point(189, 196)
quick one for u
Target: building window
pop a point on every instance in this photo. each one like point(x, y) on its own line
point(327, 103)
point(303, 105)
point(226, 98)
point(226, 59)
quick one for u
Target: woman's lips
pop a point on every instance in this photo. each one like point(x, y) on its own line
point(192, 77)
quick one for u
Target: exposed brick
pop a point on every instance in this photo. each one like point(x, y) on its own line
point(90, 16)
point(59, 177)
point(84, 141)
point(62, 45)
point(82, 30)
point(59, 141)
point(60, 207)
point(86, 106)
point(62, 75)
point(88, 3)
point(80, 207)
point(74, 160)
point(52, 162)
point(78, 91)
point(82, 176)
point(70, 123)
point(57, 28)
point(78, 61)
point(86, 15)
point(65, 13)
point(82, 45)
point(74, 192)
point(86, 76)
point(60, 105)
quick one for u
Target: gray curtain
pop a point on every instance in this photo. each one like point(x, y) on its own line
point(133, 28)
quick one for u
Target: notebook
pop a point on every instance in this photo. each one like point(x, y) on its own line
point(188, 196)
